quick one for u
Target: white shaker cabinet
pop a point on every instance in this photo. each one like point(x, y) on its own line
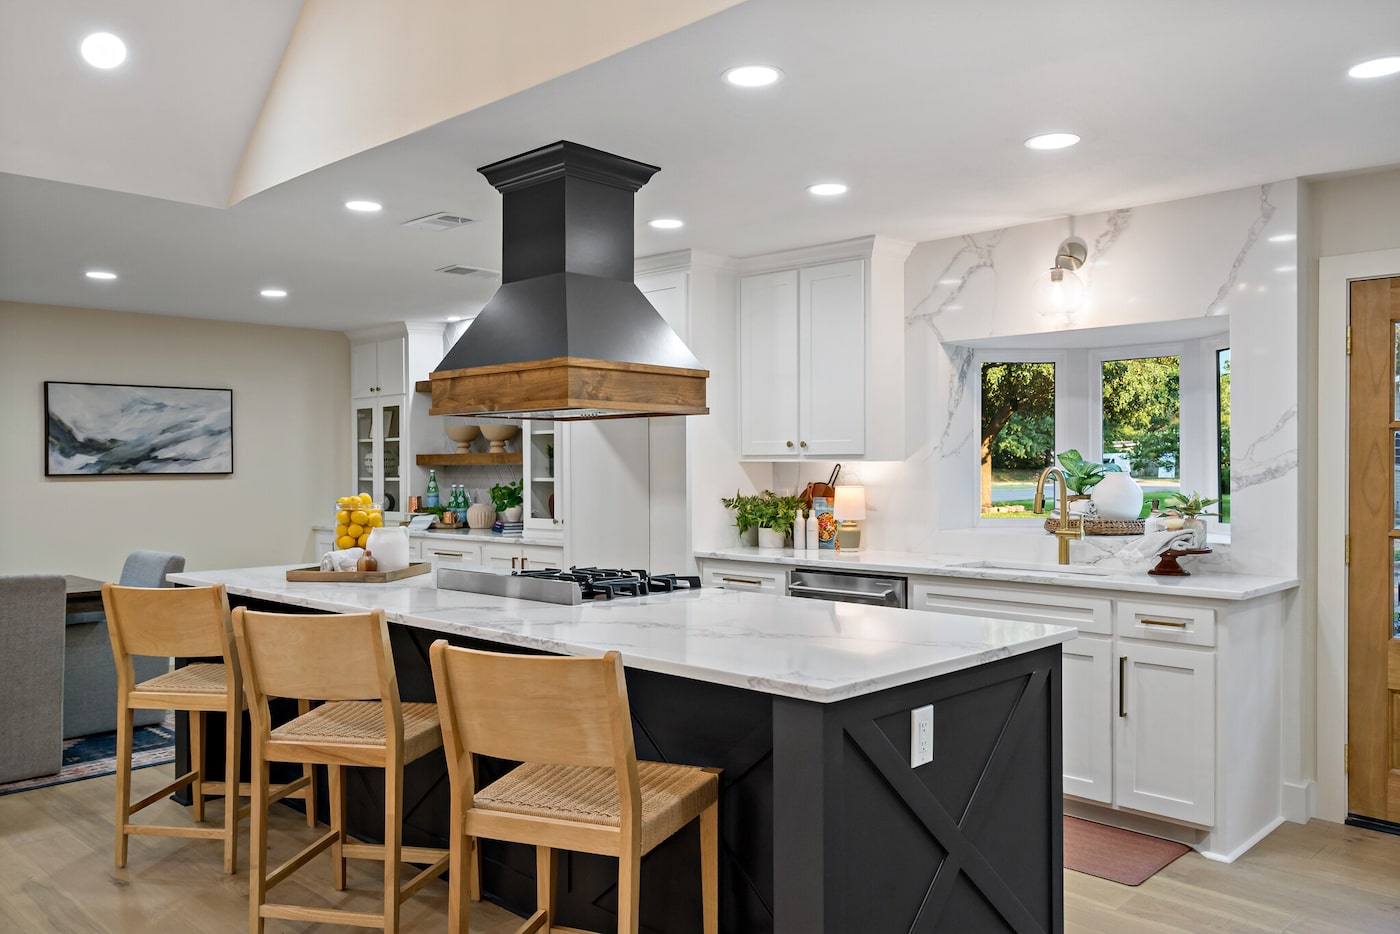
point(802, 361)
point(377, 367)
point(521, 557)
point(821, 352)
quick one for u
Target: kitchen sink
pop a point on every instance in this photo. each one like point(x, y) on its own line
point(1040, 568)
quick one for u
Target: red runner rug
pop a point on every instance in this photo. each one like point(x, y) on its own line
point(1114, 854)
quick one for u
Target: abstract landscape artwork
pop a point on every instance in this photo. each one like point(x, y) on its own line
point(100, 429)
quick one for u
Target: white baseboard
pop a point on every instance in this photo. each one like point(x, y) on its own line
point(1243, 848)
point(1299, 801)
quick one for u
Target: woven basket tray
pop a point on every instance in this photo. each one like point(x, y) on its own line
point(1103, 526)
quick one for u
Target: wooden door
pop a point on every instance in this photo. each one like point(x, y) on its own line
point(1373, 524)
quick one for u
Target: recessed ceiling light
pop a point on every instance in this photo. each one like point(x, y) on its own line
point(273, 293)
point(368, 207)
point(1376, 68)
point(1283, 238)
point(103, 50)
point(752, 76)
point(100, 274)
point(1052, 141)
point(827, 189)
point(666, 223)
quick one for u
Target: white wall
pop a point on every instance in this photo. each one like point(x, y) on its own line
point(291, 440)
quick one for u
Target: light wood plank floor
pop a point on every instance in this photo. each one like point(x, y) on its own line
point(56, 875)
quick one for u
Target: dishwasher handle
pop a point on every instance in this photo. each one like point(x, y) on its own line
point(800, 589)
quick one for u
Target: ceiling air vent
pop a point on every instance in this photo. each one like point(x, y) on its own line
point(471, 271)
point(439, 222)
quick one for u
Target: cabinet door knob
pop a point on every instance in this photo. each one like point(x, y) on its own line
point(789, 444)
point(804, 444)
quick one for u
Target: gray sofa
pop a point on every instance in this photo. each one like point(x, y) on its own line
point(31, 690)
point(90, 674)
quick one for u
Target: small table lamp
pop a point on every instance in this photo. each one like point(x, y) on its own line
point(849, 512)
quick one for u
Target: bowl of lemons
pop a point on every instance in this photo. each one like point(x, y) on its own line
point(355, 517)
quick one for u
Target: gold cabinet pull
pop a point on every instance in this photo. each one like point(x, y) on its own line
point(1162, 622)
point(741, 580)
point(789, 444)
point(1122, 684)
point(448, 554)
point(513, 561)
point(523, 562)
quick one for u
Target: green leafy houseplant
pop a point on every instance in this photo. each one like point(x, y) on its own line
point(745, 510)
point(777, 512)
point(506, 495)
point(1080, 475)
point(1192, 506)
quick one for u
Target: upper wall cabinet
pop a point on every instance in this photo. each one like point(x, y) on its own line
point(377, 368)
point(821, 353)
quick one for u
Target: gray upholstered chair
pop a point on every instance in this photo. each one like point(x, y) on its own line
point(90, 674)
point(31, 691)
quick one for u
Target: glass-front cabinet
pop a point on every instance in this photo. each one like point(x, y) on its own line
point(379, 448)
point(544, 491)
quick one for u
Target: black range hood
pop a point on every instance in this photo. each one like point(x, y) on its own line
point(568, 335)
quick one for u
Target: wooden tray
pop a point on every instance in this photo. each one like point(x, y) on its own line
point(1104, 526)
point(358, 577)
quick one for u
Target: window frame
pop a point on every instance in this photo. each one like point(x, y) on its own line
point(980, 356)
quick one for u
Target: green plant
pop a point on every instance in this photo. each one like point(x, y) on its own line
point(744, 510)
point(1189, 506)
point(506, 495)
point(1080, 475)
point(777, 512)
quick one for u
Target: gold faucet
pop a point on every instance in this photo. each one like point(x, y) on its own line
point(1069, 528)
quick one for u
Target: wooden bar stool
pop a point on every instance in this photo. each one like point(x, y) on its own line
point(185, 622)
point(345, 661)
point(580, 786)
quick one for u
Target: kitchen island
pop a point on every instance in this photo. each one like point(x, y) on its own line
point(806, 706)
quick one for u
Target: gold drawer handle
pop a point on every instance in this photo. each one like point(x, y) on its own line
point(1122, 680)
point(741, 580)
point(448, 554)
point(1163, 622)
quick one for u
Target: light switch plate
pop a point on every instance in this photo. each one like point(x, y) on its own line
point(920, 736)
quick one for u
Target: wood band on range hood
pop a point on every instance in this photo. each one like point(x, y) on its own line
point(568, 335)
point(569, 389)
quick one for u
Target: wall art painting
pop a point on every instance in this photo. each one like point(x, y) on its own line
point(95, 429)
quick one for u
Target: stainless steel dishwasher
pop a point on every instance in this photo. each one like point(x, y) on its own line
point(848, 587)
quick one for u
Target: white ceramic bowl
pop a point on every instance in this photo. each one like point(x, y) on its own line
point(464, 435)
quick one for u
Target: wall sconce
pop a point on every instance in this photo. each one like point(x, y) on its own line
point(1061, 290)
point(849, 512)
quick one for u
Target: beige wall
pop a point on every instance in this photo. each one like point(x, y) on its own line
point(1356, 213)
point(290, 434)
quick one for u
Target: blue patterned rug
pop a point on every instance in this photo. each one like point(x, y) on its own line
point(91, 756)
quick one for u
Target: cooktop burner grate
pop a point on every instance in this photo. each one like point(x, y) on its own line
point(607, 583)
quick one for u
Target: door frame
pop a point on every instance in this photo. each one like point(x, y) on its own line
point(1335, 274)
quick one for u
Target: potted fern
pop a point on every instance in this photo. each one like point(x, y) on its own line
point(745, 516)
point(776, 515)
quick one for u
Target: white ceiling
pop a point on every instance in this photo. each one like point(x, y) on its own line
point(920, 107)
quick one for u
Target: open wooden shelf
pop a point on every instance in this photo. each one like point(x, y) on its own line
point(423, 385)
point(463, 460)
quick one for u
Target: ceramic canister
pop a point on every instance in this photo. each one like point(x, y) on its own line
point(389, 547)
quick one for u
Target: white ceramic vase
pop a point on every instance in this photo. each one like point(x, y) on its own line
point(480, 516)
point(389, 547)
point(770, 538)
point(513, 513)
point(1117, 496)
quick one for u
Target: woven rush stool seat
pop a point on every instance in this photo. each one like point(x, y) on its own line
point(199, 678)
point(672, 795)
point(579, 788)
point(182, 622)
point(345, 662)
point(361, 723)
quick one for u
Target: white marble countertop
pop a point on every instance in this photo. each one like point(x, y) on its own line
point(1202, 582)
point(474, 535)
point(809, 649)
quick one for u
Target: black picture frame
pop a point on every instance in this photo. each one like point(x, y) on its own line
point(116, 429)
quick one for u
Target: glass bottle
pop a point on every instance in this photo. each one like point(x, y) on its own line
point(432, 498)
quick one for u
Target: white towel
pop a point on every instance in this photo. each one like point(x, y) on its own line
point(344, 560)
point(1154, 543)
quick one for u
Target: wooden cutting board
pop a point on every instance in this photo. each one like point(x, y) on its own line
point(358, 577)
